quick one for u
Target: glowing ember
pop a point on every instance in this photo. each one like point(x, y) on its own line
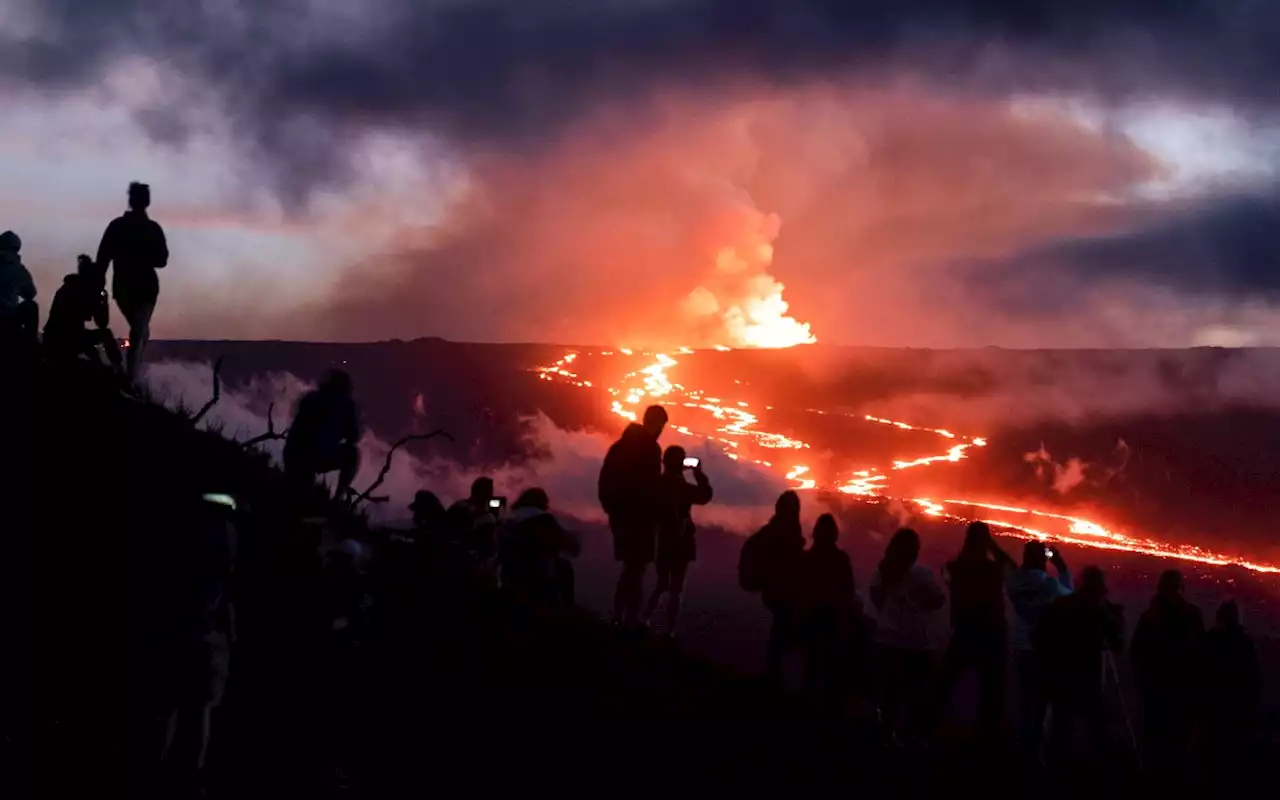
point(736, 426)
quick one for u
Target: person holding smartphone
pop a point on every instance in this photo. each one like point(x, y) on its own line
point(1032, 590)
point(677, 544)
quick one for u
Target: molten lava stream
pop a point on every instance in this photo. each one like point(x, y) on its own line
point(736, 425)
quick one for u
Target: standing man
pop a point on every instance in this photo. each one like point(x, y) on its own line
point(630, 488)
point(135, 244)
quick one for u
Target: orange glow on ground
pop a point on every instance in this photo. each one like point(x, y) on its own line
point(652, 383)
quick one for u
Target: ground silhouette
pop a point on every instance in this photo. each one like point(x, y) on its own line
point(98, 497)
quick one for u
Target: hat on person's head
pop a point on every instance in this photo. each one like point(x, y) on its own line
point(10, 241)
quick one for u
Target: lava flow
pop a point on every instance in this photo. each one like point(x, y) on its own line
point(736, 426)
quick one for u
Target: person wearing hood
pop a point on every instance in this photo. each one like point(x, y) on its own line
point(134, 244)
point(770, 563)
point(19, 315)
point(1165, 650)
point(532, 547)
point(80, 298)
point(1031, 590)
point(629, 490)
point(677, 546)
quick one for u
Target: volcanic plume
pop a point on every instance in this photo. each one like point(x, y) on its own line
point(740, 299)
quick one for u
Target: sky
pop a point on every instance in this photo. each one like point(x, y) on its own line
point(1022, 173)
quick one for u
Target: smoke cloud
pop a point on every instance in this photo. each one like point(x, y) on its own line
point(981, 392)
point(912, 172)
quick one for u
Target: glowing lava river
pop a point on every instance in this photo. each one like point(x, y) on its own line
point(737, 430)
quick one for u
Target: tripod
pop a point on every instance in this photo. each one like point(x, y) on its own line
point(1110, 671)
point(1110, 677)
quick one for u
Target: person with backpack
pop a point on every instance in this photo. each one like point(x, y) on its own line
point(135, 245)
point(629, 490)
point(677, 546)
point(769, 565)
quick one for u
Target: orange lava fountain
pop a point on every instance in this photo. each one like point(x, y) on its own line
point(652, 384)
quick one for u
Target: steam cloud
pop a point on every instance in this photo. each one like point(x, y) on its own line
point(1065, 477)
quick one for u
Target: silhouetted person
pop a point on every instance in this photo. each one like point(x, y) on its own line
point(477, 502)
point(1031, 591)
point(204, 655)
point(135, 245)
point(1232, 694)
point(1076, 634)
point(19, 315)
point(770, 564)
point(324, 435)
point(534, 549)
point(1165, 656)
point(629, 488)
point(978, 629)
point(81, 298)
point(428, 512)
point(482, 518)
point(829, 600)
point(905, 596)
point(677, 546)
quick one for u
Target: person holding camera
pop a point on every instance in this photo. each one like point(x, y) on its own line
point(1031, 591)
point(676, 544)
point(979, 632)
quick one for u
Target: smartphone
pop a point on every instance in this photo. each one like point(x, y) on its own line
point(496, 504)
point(692, 463)
point(1048, 553)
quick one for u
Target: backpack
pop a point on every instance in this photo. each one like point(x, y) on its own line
point(613, 478)
point(753, 563)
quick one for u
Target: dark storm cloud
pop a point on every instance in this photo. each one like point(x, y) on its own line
point(298, 78)
point(1227, 248)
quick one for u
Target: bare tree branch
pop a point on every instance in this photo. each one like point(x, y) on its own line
point(367, 494)
point(217, 394)
point(271, 433)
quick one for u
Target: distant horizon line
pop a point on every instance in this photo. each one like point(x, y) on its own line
point(598, 347)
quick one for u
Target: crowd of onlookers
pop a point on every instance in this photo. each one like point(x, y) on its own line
point(1200, 689)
